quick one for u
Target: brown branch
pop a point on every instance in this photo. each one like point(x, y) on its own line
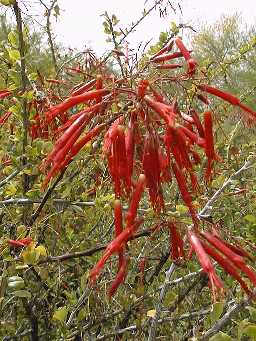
point(89, 252)
point(115, 43)
point(49, 33)
point(47, 195)
point(24, 82)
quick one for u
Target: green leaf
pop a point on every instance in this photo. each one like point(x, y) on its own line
point(10, 189)
point(56, 10)
point(174, 27)
point(30, 255)
point(221, 337)
point(14, 54)
point(81, 315)
point(250, 331)
point(41, 251)
point(7, 2)
point(60, 314)
point(12, 37)
point(252, 312)
point(250, 218)
point(181, 209)
point(216, 311)
point(22, 293)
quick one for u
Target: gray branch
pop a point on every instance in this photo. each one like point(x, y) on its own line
point(221, 323)
point(204, 213)
point(153, 327)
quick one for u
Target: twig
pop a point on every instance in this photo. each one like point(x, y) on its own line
point(24, 82)
point(48, 30)
point(158, 268)
point(80, 302)
point(115, 43)
point(25, 201)
point(184, 278)
point(125, 34)
point(47, 195)
point(152, 331)
point(89, 252)
point(12, 175)
point(204, 213)
point(134, 328)
point(227, 317)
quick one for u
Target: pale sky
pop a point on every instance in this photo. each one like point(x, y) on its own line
point(80, 22)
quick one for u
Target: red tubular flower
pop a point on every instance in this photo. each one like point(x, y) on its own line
point(176, 243)
point(203, 99)
point(193, 137)
point(98, 86)
point(122, 261)
point(110, 134)
point(133, 207)
point(179, 148)
point(168, 66)
point(158, 97)
point(130, 147)
point(83, 140)
point(4, 93)
point(205, 262)
point(209, 144)
point(62, 152)
point(83, 88)
point(118, 217)
point(19, 242)
point(142, 87)
point(120, 277)
point(62, 141)
point(219, 93)
point(164, 110)
point(122, 267)
point(191, 63)
point(66, 154)
point(226, 265)
point(5, 117)
point(237, 260)
point(228, 97)
point(238, 250)
point(151, 168)
point(72, 101)
point(113, 247)
point(117, 160)
point(182, 48)
point(184, 192)
point(247, 109)
point(197, 123)
point(165, 57)
point(164, 163)
point(166, 48)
